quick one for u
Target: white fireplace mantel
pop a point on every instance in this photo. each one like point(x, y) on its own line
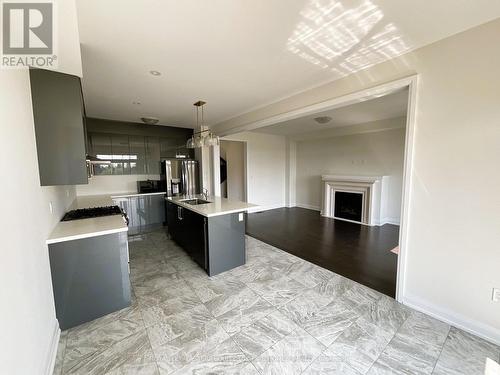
point(373, 190)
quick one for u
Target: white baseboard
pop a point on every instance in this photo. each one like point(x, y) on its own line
point(264, 208)
point(475, 327)
point(308, 206)
point(52, 354)
point(391, 220)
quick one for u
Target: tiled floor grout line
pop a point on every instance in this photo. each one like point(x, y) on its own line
point(147, 334)
point(441, 351)
point(388, 343)
point(142, 316)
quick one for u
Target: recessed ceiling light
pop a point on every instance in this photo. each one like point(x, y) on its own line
point(323, 119)
point(154, 73)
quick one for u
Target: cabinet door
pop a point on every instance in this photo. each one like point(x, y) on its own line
point(172, 220)
point(59, 129)
point(152, 155)
point(121, 154)
point(173, 147)
point(195, 236)
point(142, 211)
point(137, 154)
point(134, 226)
point(156, 210)
point(169, 147)
point(101, 148)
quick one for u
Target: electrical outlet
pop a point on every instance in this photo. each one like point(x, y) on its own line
point(240, 216)
point(51, 208)
point(495, 297)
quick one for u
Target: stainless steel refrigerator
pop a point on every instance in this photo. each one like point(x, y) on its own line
point(180, 177)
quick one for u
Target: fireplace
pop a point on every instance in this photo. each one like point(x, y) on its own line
point(348, 205)
point(362, 199)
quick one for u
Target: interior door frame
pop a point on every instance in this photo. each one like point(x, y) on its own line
point(387, 88)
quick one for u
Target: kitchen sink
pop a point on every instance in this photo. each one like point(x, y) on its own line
point(195, 201)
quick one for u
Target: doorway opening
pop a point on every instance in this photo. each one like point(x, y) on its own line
point(385, 206)
point(233, 170)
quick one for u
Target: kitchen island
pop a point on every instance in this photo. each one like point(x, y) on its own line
point(210, 229)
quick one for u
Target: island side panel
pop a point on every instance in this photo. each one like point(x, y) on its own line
point(226, 242)
point(90, 278)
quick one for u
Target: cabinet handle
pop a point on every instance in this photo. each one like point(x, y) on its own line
point(179, 213)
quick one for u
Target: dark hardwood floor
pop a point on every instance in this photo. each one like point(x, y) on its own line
point(358, 252)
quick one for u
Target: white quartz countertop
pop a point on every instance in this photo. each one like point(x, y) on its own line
point(127, 195)
point(217, 206)
point(84, 228)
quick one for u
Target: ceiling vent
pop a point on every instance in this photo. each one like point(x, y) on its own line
point(323, 119)
point(150, 120)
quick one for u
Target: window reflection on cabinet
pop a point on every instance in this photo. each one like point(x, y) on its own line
point(134, 154)
point(101, 148)
point(152, 155)
point(137, 154)
point(121, 154)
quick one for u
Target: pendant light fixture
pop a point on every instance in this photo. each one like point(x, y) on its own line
point(203, 137)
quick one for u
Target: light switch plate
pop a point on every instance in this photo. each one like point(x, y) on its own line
point(240, 216)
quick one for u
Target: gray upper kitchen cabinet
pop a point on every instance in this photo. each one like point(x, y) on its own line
point(174, 147)
point(152, 155)
point(121, 154)
point(59, 127)
point(137, 154)
point(101, 147)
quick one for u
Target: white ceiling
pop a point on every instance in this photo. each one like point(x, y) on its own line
point(241, 54)
point(385, 107)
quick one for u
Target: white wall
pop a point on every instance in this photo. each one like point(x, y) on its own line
point(234, 154)
point(28, 325)
point(452, 255)
point(371, 154)
point(266, 163)
point(113, 184)
point(291, 173)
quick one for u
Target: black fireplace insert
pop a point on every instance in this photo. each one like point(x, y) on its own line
point(348, 205)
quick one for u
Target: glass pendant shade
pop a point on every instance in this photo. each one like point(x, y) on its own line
point(198, 142)
point(207, 141)
point(190, 143)
point(211, 140)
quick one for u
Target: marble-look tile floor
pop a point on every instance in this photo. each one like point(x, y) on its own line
point(278, 314)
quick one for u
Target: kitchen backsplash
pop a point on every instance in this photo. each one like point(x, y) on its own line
point(113, 184)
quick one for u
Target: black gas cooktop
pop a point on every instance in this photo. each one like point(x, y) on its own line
point(86, 213)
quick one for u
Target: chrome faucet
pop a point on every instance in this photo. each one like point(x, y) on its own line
point(204, 193)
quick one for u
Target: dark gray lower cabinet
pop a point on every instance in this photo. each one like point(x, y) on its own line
point(216, 243)
point(90, 277)
point(145, 212)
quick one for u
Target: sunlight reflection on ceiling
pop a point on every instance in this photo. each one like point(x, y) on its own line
point(345, 39)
